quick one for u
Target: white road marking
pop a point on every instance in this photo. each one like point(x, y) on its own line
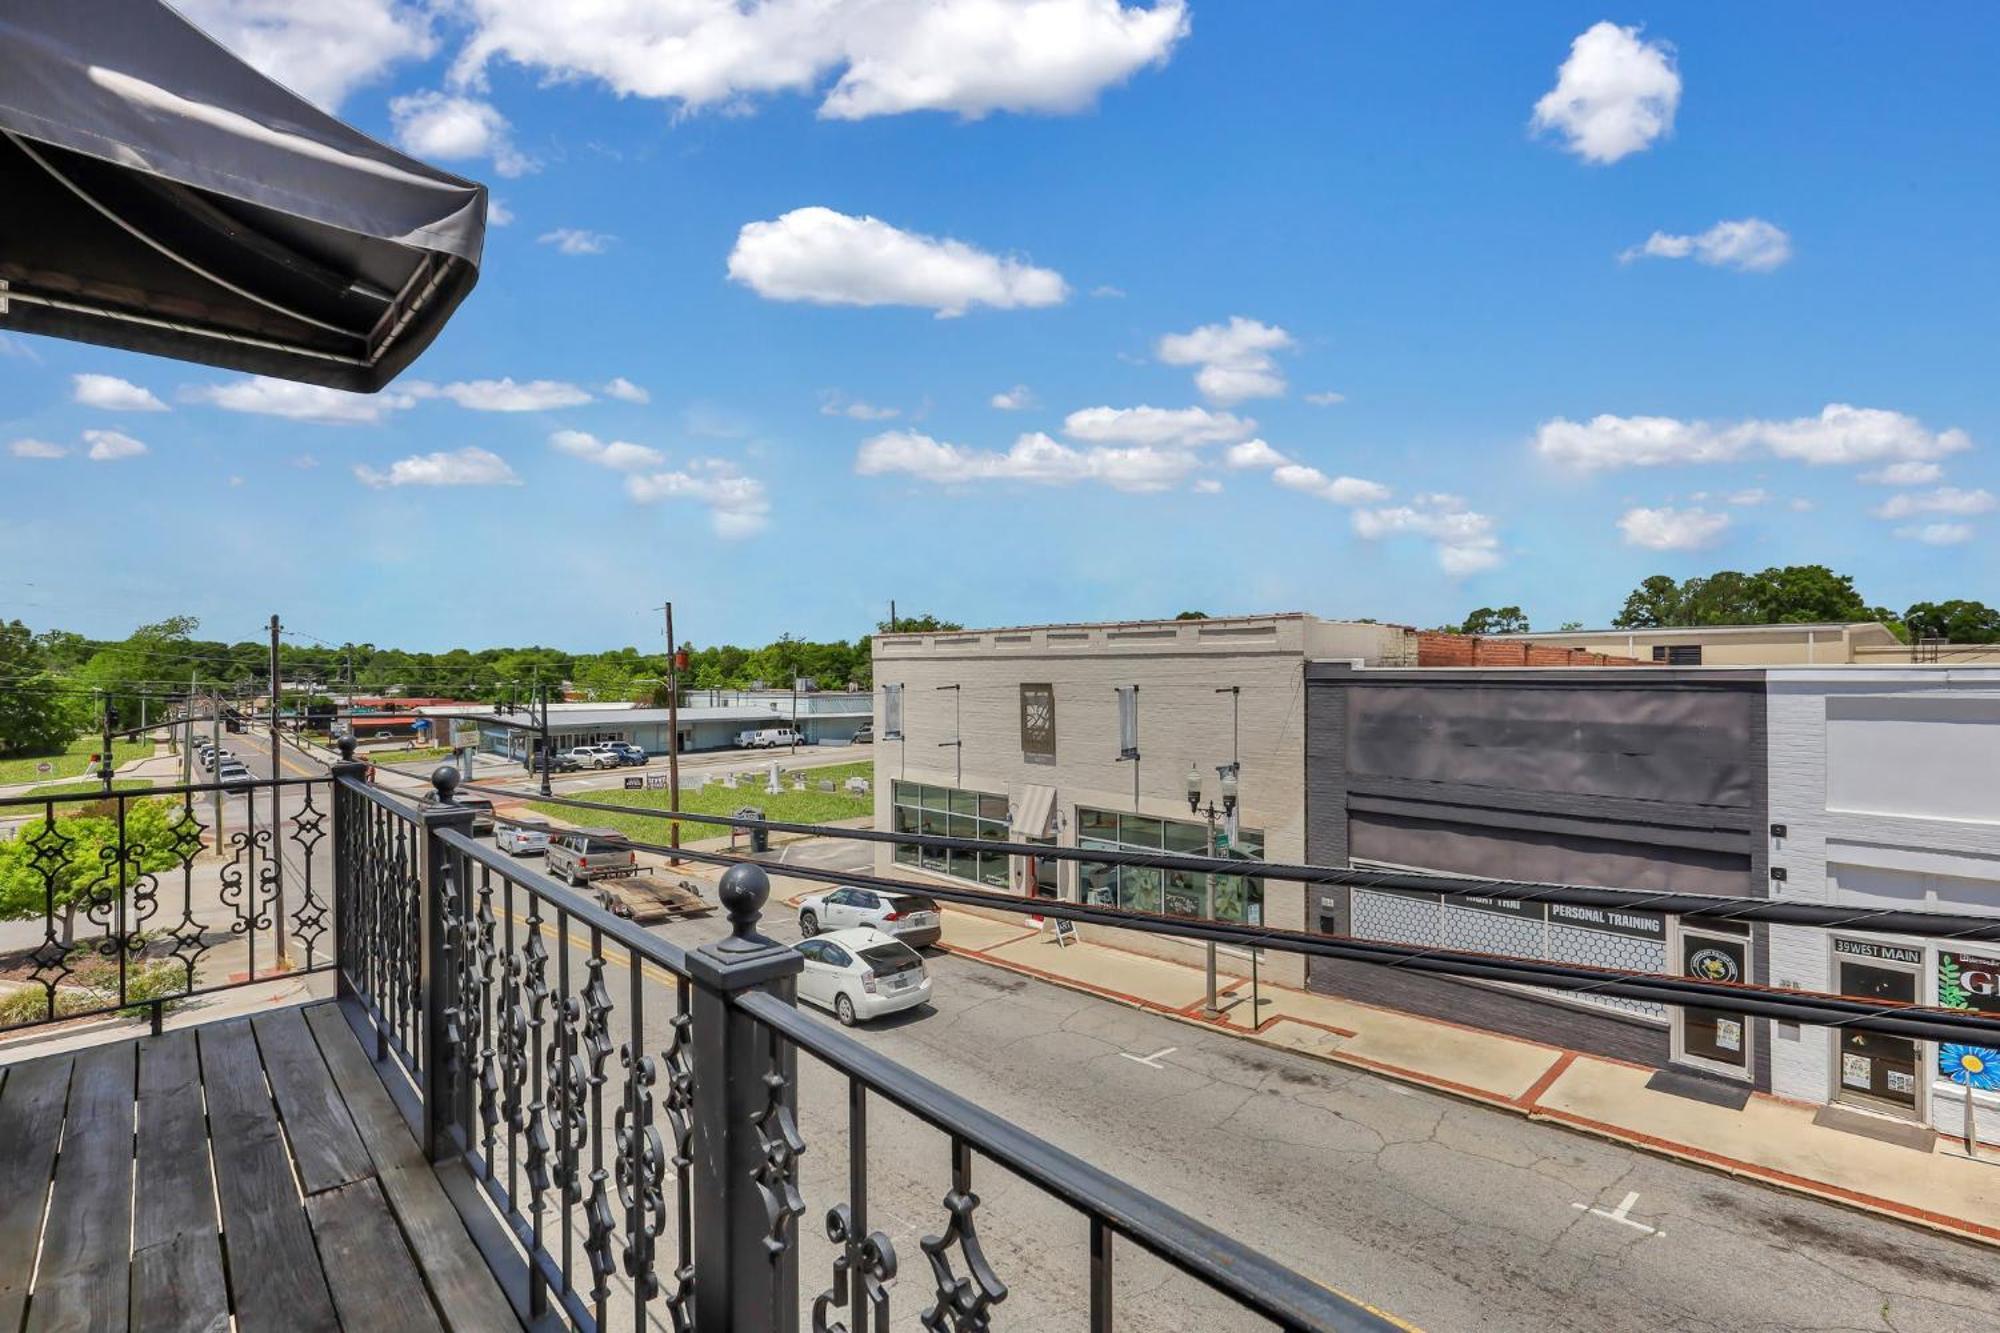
point(1622, 1214)
point(1150, 1061)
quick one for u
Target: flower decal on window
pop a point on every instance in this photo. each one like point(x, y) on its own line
point(1975, 1067)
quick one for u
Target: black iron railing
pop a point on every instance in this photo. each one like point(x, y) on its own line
point(140, 900)
point(629, 1112)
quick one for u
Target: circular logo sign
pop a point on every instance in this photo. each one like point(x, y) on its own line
point(1713, 965)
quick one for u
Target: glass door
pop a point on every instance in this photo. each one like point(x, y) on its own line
point(1872, 1070)
point(1716, 1039)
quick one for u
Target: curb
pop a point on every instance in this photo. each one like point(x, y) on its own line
point(1525, 1106)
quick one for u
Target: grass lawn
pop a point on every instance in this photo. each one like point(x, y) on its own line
point(428, 755)
point(66, 788)
point(72, 762)
point(812, 806)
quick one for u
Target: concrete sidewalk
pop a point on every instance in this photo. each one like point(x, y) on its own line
point(1772, 1139)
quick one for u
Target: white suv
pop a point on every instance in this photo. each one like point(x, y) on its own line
point(596, 756)
point(909, 917)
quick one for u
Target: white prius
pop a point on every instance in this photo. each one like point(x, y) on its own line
point(861, 974)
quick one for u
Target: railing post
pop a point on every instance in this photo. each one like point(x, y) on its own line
point(745, 1139)
point(446, 1086)
point(344, 867)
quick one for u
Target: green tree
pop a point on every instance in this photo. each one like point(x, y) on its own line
point(1806, 594)
point(1953, 621)
point(1654, 603)
point(923, 624)
point(1495, 620)
point(1192, 615)
point(37, 714)
point(74, 861)
point(1791, 594)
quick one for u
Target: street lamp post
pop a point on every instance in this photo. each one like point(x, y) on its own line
point(1226, 776)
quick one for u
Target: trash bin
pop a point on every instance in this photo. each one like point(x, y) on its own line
point(760, 839)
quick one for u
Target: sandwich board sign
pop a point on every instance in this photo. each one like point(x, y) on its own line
point(1065, 931)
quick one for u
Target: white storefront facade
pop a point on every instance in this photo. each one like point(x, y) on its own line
point(1885, 793)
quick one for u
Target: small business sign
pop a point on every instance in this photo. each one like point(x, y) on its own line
point(1065, 931)
point(635, 783)
point(1514, 907)
point(654, 781)
point(1638, 925)
point(1887, 953)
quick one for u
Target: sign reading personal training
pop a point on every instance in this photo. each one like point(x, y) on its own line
point(1038, 724)
point(1639, 925)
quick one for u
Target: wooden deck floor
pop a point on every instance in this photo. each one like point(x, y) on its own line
point(254, 1168)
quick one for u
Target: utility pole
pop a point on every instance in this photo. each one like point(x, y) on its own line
point(187, 750)
point(548, 755)
point(104, 766)
point(215, 740)
point(673, 732)
point(278, 885)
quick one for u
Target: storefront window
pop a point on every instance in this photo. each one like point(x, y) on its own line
point(1179, 892)
point(946, 812)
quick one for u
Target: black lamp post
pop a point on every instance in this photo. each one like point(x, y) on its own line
point(1226, 775)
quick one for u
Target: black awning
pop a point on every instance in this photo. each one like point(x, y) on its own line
point(158, 194)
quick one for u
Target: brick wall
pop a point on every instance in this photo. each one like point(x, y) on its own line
point(1438, 649)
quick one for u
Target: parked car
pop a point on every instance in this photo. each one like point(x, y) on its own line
point(629, 753)
point(865, 736)
point(482, 811)
point(522, 838)
point(862, 974)
point(769, 738)
point(233, 774)
point(578, 856)
point(594, 756)
point(910, 917)
point(554, 761)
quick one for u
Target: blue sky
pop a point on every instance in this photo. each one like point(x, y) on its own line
point(1557, 373)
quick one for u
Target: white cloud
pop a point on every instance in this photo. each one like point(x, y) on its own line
point(971, 57)
point(304, 462)
point(828, 258)
point(1186, 426)
point(1254, 453)
point(737, 505)
point(1327, 399)
point(1754, 495)
point(1234, 358)
point(497, 213)
point(1614, 96)
point(1017, 399)
point(1798, 504)
point(37, 449)
point(835, 405)
point(508, 395)
point(576, 241)
point(264, 396)
point(625, 391)
point(1340, 490)
point(1938, 534)
point(443, 127)
point(1104, 291)
point(1033, 458)
point(1911, 473)
point(1943, 500)
point(1840, 434)
point(108, 446)
point(1465, 541)
point(236, 481)
point(111, 394)
point(1668, 529)
point(320, 51)
point(1749, 244)
point(616, 454)
point(470, 466)
point(1207, 486)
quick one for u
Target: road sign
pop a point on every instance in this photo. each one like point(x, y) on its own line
point(1222, 842)
point(421, 724)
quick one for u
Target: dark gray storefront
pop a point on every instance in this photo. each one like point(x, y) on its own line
point(1640, 779)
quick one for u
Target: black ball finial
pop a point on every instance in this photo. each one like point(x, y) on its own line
point(743, 892)
point(444, 781)
point(345, 745)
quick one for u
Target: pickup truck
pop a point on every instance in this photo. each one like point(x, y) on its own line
point(578, 856)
